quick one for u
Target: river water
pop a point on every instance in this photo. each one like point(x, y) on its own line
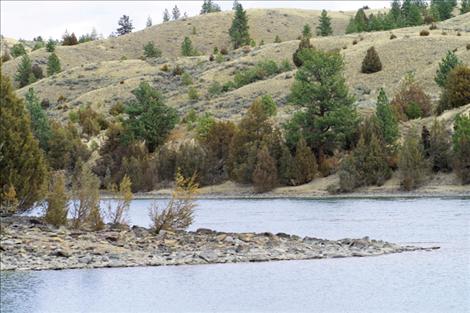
point(437, 281)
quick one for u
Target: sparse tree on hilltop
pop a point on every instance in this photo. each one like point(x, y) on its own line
point(176, 14)
point(50, 46)
point(209, 7)
point(238, 32)
point(324, 28)
point(125, 24)
point(149, 22)
point(166, 15)
point(307, 32)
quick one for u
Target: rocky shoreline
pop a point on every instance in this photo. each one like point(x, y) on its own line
point(29, 244)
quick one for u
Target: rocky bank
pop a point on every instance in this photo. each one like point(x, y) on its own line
point(29, 244)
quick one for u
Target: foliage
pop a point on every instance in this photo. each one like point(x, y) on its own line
point(204, 124)
point(193, 95)
point(209, 7)
point(461, 147)
point(90, 121)
point(215, 89)
point(269, 106)
point(448, 63)
point(265, 173)
point(149, 118)
point(187, 48)
point(24, 74)
point(324, 27)
point(125, 26)
point(37, 72)
point(17, 50)
point(53, 64)
point(50, 45)
point(186, 79)
point(411, 162)
point(411, 101)
point(239, 31)
point(464, 6)
point(386, 119)
point(303, 45)
point(439, 150)
point(424, 32)
point(178, 213)
point(277, 39)
point(39, 122)
point(166, 16)
point(150, 51)
point(122, 195)
point(149, 22)
point(57, 201)
point(86, 204)
point(23, 169)
point(175, 13)
point(307, 31)
point(305, 163)
point(371, 62)
point(456, 91)
point(69, 40)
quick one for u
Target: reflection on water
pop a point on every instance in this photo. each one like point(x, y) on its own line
point(437, 281)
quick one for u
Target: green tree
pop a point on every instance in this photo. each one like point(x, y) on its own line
point(386, 119)
point(456, 92)
point(86, 195)
point(50, 46)
point(448, 63)
point(324, 26)
point(265, 173)
point(444, 8)
point(53, 64)
point(464, 6)
point(395, 10)
point(371, 62)
point(238, 32)
point(461, 147)
point(57, 201)
point(329, 118)
point(125, 26)
point(307, 31)
point(149, 118)
point(439, 147)
point(39, 121)
point(187, 47)
point(150, 51)
point(411, 162)
point(209, 7)
point(24, 74)
point(17, 50)
point(23, 169)
point(305, 162)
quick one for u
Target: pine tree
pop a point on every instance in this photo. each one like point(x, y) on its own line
point(176, 14)
point(324, 28)
point(461, 147)
point(23, 169)
point(150, 51)
point(149, 22)
point(166, 16)
point(287, 168)
point(209, 7)
point(17, 50)
point(50, 46)
point(39, 121)
point(330, 118)
point(440, 147)
point(371, 62)
point(411, 162)
point(187, 47)
point(304, 44)
point(456, 92)
point(386, 119)
point(125, 24)
point(265, 173)
point(69, 40)
point(307, 32)
point(37, 72)
point(24, 75)
point(238, 32)
point(464, 6)
point(305, 162)
point(57, 201)
point(395, 11)
point(53, 64)
point(447, 64)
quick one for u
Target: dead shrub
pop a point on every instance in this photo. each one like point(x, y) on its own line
point(424, 32)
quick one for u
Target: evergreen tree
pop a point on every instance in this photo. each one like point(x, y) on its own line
point(371, 62)
point(149, 118)
point(149, 22)
point(440, 148)
point(265, 173)
point(411, 162)
point(444, 8)
point(176, 14)
point(57, 201)
point(414, 16)
point(39, 121)
point(305, 162)
point(166, 16)
point(37, 72)
point(24, 74)
point(448, 63)
point(286, 167)
point(17, 50)
point(386, 119)
point(361, 21)
point(461, 147)
point(324, 27)
point(330, 118)
point(86, 205)
point(307, 31)
point(456, 92)
point(395, 10)
point(187, 47)
point(238, 32)
point(53, 64)
point(464, 6)
point(23, 169)
point(50, 46)
point(304, 44)
point(125, 26)
point(69, 40)
point(209, 7)
point(150, 51)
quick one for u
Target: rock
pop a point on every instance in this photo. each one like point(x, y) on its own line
point(62, 253)
point(283, 235)
point(204, 231)
point(246, 237)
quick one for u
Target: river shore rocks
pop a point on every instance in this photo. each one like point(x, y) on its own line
point(29, 244)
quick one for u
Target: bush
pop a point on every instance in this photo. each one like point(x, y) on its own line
point(86, 204)
point(122, 195)
point(371, 62)
point(411, 101)
point(393, 36)
point(179, 212)
point(219, 58)
point(447, 64)
point(354, 42)
point(224, 51)
point(50, 46)
point(165, 68)
point(432, 27)
point(260, 71)
point(186, 79)
point(277, 39)
point(305, 162)
point(150, 51)
point(215, 89)
point(53, 65)
point(17, 50)
point(90, 121)
point(304, 44)
point(265, 173)
point(193, 95)
point(411, 162)
point(424, 32)
point(57, 201)
point(456, 92)
point(187, 47)
point(439, 148)
point(37, 71)
point(177, 70)
point(117, 109)
point(461, 147)
point(468, 46)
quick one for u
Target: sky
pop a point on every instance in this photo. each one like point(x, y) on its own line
point(29, 19)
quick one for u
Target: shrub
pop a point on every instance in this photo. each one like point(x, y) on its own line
point(186, 79)
point(178, 213)
point(371, 62)
point(215, 89)
point(461, 147)
point(191, 160)
point(90, 121)
point(53, 65)
point(432, 27)
point(211, 58)
point(393, 36)
point(73, 116)
point(150, 51)
point(456, 92)
point(424, 32)
point(252, 43)
point(439, 148)
point(411, 101)
point(122, 195)
point(447, 64)
point(57, 201)
point(187, 47)
point(224, 51)
point(203, 124)
point(354, 42)
point(411, 162)
point(165, 68)
point(265, 173)
point(304, 44)
point(305, 162)
point(117, 109)
point(468, 46)
point(86, 204)
point(24, 75)
point(17, 50)
point(260, 71)
point(277, 39)
point(219, 58)
point(37, 71)
point(193, 95)
point(50, 45)
point(177, 70)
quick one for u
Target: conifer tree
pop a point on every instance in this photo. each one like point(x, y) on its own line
point(447, 64)
point(39, 121)
point(37, 72)
point(456, 92)
point(57, 201)
point(386, 119)
point(324, 27)
point(238, 32)
point(304, 44)
point(176, 14)
point(265, 173)
point(85, 190)
point(150, 51)
point(464, 6)
point(287, 168)
point(461, 147)
point(440, 147)
point(307, 32)
point(166, 15)
point(24, 75)
point(50, 46)
point(305, 162)
point(371, 62)
point(125, 26)
point(411, 162)
point(149, 22)
point(209, 7)
point(187, 47)
point(395, 10)
point(23, 169)
point(53, 64)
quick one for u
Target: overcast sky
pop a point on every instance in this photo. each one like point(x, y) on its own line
point(28, 19)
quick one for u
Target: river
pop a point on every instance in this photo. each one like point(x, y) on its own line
point(437, 281)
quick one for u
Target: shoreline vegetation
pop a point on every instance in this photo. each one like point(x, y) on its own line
point(30, 244)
